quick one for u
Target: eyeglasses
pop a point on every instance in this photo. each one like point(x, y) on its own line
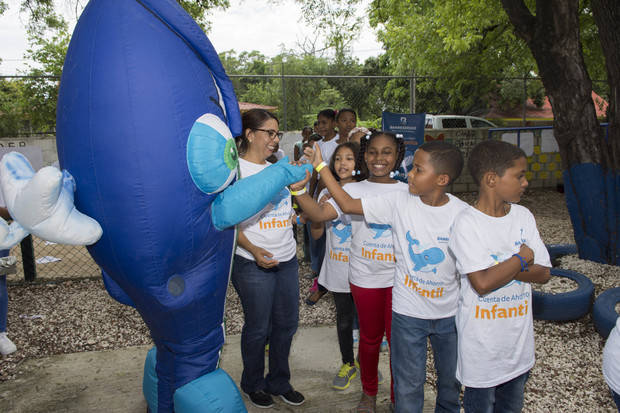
point(272, 134)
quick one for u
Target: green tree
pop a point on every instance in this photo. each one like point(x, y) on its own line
point(11, 107)
point(466, 47)
point(590, 157)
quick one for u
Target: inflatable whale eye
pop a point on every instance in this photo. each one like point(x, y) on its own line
point(212, 157)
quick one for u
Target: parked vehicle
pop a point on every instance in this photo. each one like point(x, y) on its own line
point(456, 121)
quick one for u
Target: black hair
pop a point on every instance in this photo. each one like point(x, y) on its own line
point(365, 141)
point(327, 113)
point(315, 137)
point(252, 119)
point(492, 156)
point(445, 157)
point(355, 149)
point(346, 110)
point(306, 127)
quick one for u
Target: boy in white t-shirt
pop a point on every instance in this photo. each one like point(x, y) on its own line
point(498, 253)
point(611, 363)
point(425, 292)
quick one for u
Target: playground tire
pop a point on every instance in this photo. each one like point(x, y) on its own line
point(566, 306)
point(558, 250)
point(604, 312)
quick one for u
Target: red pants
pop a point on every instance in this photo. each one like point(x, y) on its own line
point(374, 310)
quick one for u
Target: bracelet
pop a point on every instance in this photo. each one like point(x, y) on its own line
point(320, 166)
point(300, 192)
point(523, 262)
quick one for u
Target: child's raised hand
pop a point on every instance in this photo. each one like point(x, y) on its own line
point(314, 154)
point(299, 185)
point(527, 253)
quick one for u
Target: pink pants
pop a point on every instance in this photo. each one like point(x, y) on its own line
point(374, 310)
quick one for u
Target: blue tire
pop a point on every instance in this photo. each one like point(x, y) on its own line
point(558, 250)
point(604, 312)
point(566, 306)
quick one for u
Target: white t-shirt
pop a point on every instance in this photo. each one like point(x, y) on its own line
point(495, 331)
point(334, 273)
point(371, 260)
point(328, 148)
point(426, 283)
point(611, 358)
point(271, 227)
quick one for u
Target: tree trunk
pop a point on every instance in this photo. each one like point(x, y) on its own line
point(590, 167)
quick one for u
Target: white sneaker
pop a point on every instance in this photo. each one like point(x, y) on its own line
point(6, 345)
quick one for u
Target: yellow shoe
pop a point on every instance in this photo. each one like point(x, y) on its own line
point(343, 379)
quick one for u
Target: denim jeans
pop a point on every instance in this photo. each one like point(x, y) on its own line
point(503, 398)
point(409, 341)
point(270, 301)
point(317, 251)
point(616, 397)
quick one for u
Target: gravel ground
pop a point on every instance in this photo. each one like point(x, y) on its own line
point(74, 314)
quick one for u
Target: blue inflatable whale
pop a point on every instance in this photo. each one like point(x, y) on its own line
point(145, 124)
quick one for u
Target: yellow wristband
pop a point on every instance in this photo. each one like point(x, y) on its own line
point(320, 166)
point(300, 192)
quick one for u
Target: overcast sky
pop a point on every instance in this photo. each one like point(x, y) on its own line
point(246, 25)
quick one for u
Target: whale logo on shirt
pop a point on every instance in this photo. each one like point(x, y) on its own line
point(426, 261)
point(280, 199)
point(379, 230)
point(344, 233)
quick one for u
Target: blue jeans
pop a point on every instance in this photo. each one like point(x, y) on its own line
point(409, 340)
point(616, 397)
point(317, 251)
point(270, 300)
point(503, 398)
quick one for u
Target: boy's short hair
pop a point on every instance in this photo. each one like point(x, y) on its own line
point(492, 156)
point(445, 157)
point(327, 113)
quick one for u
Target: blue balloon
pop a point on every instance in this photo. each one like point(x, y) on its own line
point(146, 116)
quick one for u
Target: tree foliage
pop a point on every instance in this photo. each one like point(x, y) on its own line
point(461, 45)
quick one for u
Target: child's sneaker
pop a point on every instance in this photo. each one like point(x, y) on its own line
point(384, 345)
point(356, 338)
point(6, 345)
point(343, 378)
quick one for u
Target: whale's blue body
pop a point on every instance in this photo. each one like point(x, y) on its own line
point(137, 76)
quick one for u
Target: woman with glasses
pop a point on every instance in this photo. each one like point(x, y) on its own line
point(265, 274)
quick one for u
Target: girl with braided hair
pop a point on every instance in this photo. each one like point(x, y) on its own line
point(371, 257)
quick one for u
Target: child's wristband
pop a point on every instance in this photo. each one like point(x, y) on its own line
point(320, 166)
point(523, 262)
point(300, 192)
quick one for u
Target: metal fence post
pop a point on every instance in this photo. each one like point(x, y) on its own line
point(524, 100)
point(30, 268)
point(412, 92)
point(284, 126)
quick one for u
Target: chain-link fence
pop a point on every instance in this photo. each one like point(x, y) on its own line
point(45, 260)
point(296, 99)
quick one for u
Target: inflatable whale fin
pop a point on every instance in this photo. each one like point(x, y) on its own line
point(42, 203)
point(247, 196)
point(11, 235)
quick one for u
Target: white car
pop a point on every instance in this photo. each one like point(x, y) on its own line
point(456, 121)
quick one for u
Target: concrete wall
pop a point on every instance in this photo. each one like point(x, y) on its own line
point(540, 147)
